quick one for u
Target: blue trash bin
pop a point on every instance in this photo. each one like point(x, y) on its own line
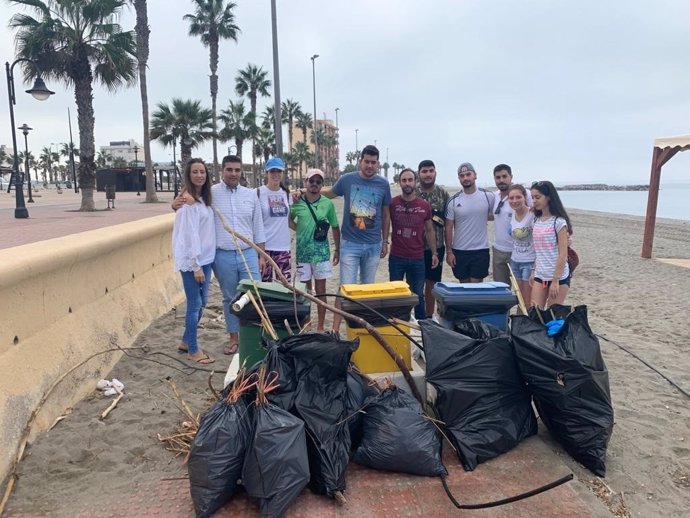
point(487, 301)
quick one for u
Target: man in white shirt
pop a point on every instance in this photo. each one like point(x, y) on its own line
point(466, 230)
point(242, 213)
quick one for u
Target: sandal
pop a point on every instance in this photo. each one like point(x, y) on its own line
point(206, 359)
point(230, 349)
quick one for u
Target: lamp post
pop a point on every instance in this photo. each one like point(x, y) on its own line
point(336, 118)
point(25, 130)
point(230, 149)
point(40, 92)
point(357, 141)
point(174, 166)
point(136, 168)
point(316, 134)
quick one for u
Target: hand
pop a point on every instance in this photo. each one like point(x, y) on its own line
point(554, 290)
point(384, 250)
point(336, 257)
point(199, 276)
point(178, 202)
point(434, 261)
point(450, 259)
point(262, 264)
point(297, 195)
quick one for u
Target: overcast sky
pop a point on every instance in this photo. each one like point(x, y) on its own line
point(568, 91)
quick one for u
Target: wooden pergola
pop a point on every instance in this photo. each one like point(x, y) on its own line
point(665, 148)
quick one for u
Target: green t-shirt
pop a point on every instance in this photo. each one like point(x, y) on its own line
point(438, 199)
point(308, 250)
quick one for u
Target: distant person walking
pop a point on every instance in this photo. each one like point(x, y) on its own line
point(551, 276)
point(275, 202)
point(411, 226)
point(437, 197)
point(523, 255)
point(194, 248)
point(311, 217)
point(466, 229)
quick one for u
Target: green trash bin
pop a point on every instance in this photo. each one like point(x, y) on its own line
point(279, 306)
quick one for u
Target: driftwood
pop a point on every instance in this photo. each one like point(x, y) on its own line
point(370, 329)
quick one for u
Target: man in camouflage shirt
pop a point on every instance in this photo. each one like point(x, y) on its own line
point(437, 197)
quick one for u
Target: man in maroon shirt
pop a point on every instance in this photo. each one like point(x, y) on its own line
point(411, 222)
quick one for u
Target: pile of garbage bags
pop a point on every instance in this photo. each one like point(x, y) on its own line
point(297, 419)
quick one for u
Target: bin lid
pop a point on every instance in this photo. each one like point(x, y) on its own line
point(270, 290)
point(376, 290)
point(459, 288)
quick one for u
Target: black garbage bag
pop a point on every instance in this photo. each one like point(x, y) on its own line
point(321, 362)
point(217, 454)
point(397, 436)
point(284, 366)
point(569, 382)
point(276, 467)
point(481, 396)
point(358, 393)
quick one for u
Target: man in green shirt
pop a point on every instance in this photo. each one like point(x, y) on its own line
point(310, 218)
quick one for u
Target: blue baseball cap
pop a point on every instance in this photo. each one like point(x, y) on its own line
point(275, 163)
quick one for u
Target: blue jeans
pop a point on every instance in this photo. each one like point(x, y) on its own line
point(197, 296)
point(413, 271)
point(362, 258)
point(230, 270)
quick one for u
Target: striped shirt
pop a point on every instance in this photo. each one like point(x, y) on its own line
point(242, 213)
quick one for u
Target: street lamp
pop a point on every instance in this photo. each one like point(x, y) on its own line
point(174, 165)
point(336, 118)
point(136, 168)
point(25, 130)
point(230, 149)
point(356, 141)
point(316, 135)
point(40, 92)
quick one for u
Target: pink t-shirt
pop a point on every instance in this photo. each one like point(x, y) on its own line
point(408, 218)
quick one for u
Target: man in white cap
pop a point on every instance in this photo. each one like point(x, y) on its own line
point(311, 217)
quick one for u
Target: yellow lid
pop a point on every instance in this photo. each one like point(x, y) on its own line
point(376, 290)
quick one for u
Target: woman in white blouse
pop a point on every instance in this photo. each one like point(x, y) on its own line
point(194, 248)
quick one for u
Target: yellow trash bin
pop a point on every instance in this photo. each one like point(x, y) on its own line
point(392, 299)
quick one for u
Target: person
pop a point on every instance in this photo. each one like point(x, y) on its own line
point(466, 230)
point(313, 249)
point(411, 224)
point(275, 207)
point(194, 247)
point(365, 223)
point(522, 256)
point(550, 278)
point(437, 197)
point(235, 260)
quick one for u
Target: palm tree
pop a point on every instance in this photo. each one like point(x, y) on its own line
point(265, 143)
point(252, 82)
point(304, 154)
point(186, 120)
point(212, 21)
point(351, 157)
point(237, 124)
point(103, 159)
point(385, 168)
point(78, 43)
point(142, 31)
point(304, 122)
point(289, 111)
point(119, 162)
point(268, 117)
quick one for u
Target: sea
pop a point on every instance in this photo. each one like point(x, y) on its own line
point(673, 201)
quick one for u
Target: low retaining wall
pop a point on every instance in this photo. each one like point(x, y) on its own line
point(65, 299)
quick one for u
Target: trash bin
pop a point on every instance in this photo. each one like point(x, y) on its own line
point(392, 299)
point(280, 305)
point(487, 301)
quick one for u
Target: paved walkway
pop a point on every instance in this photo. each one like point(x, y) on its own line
point(370, 493)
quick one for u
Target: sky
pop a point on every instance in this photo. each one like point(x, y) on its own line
point(573, 92)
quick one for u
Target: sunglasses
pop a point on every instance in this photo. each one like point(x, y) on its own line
point(315, 181)
point(499, 206)
point(537, 185)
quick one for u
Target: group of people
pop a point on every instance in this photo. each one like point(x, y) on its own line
point(416, 229)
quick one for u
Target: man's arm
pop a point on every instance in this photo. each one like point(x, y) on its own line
point(431, 240)
point(448, 230)
point(385, 228)
point(328, 193)
point(336, 245)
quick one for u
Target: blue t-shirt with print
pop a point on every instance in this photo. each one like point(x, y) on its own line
point(363, 202)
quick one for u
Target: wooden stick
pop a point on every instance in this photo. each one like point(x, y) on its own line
point(113, 404)
point(287, 327)
point(265, 321)
point(363, 323)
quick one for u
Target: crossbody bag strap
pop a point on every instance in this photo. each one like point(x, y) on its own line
point(313, 215)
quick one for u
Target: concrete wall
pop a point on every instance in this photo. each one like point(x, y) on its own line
point(65, 299)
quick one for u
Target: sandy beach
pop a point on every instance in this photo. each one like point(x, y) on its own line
point(642, 305)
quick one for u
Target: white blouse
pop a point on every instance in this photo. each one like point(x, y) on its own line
point(194, 237)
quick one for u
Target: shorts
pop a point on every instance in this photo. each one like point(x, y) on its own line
point(522, 270)
point(471, 264)
point(318, 271)
point(544, 284)
point(434, 274)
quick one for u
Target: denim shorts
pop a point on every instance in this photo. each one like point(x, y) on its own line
point(521, 270)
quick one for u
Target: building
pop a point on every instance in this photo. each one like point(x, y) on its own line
point(329, 150)
point(127, 150)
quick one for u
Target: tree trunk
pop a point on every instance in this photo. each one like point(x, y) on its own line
point(214, 96)
point(83, 95)
point(185, 156)
point(142, 30)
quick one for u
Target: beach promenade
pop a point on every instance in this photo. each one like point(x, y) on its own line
point(117, 467)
